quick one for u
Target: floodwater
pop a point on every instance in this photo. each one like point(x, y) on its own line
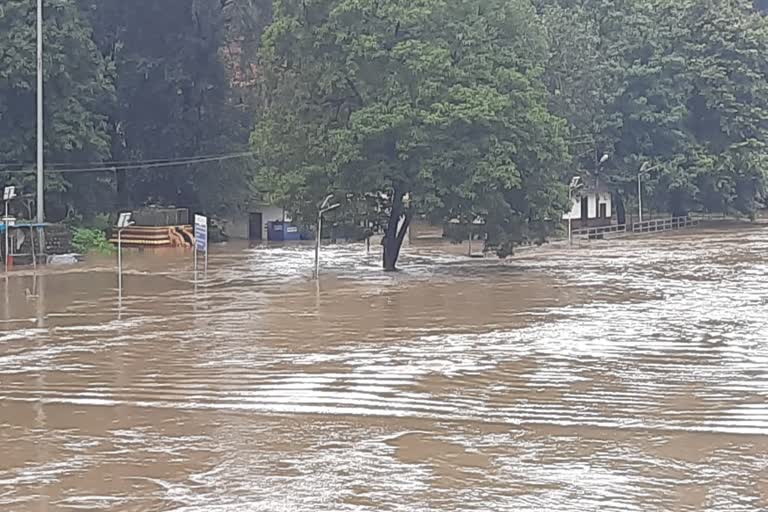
point(630, 376)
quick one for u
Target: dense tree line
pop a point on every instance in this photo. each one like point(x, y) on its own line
point(476, 112)
point(480, 111)
point(136, 81)
point(439, 109)
point(679, 84)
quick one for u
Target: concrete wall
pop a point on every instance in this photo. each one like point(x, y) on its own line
point(593, 202)
point(575, 212)
point(238, 226)
point(607, 199)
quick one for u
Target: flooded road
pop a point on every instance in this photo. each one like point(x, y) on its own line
point(625, 377)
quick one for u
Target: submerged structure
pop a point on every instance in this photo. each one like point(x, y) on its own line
point(159, 227)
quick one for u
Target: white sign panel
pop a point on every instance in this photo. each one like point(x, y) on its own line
point(124, 220)
point(201, 232)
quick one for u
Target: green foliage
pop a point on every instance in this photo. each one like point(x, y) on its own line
point(469, 111)
point(97, 221)
point(441, 102)
point(174, 101)
point(78, 91)
point(126, 81)
point(86, 240)
point(682, 84)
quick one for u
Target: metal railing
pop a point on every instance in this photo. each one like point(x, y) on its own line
point(652, 226)
point(649, 226)
point(601, 231)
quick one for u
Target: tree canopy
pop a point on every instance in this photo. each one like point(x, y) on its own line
point(173, 100)
point(434, 108)
point(79, 90)
point(680, 84)
point(467, 112)
point(124, 82)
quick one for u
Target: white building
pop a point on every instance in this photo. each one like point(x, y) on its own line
point(253, 224)
point(592, 207)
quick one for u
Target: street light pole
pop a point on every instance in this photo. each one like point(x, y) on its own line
point(324, 208)
point(570, 216)
point(317, 244)
point(40, 178)
point(8, 194)
point(7, 245)
point(640, 197)
point(124, 221)
point(574, 185)
point(120, 262)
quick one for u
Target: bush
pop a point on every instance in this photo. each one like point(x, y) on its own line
point(96, 221)
point(86, 241)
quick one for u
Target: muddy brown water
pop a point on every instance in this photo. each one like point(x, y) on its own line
point(630, 376)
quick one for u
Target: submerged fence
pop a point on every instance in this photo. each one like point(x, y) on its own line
point(650, 226)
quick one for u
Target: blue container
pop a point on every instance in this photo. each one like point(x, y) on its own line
point(291, 233)
point(275, 231)
point(278, 231)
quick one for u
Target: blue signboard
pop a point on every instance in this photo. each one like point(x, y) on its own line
point(201, 233)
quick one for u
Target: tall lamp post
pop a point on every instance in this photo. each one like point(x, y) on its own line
point(8, 194)
point(324, 208)
point(599, 166)
point(574, 185)
point(644, 170)
point(40, 178)
point(123, 222)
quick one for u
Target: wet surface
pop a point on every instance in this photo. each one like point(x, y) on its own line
point(622, 377)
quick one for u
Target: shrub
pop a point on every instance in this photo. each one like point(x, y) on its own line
point(86, 240)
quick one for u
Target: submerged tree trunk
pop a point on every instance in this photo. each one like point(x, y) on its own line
point(678, 204)
point(395, 233)
point(621, 212)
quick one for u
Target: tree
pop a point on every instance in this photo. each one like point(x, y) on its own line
point(432, 107)
point(174, 100)
point(244, 23)
point(78, 94)
point(677, 83)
